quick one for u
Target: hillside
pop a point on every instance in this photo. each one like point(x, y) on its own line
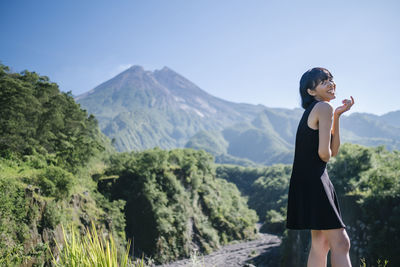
point(175, 204)
point(49, 148)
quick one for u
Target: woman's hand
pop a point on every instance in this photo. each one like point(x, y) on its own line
point(347, 104)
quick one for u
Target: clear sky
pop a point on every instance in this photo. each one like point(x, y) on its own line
point(243, 51)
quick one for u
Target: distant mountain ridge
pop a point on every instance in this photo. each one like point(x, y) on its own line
point(142, 109)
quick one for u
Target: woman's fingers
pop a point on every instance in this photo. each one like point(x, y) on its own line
point(347, 104)
point(351, 102)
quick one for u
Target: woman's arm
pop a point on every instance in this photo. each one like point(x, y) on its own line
point(335, 141)
point(325, 114)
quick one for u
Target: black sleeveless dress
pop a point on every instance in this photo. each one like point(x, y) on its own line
point(312, 201)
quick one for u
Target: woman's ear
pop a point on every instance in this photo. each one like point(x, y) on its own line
point(310, 92)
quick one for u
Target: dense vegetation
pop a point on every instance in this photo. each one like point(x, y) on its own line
point(49, 148)
point(52, 156)
point(35, 117)
point(175, 203)
point(367, 181)
point(266, 189)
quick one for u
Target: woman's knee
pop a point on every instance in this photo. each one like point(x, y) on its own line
point(319, 241)
point(341, 243)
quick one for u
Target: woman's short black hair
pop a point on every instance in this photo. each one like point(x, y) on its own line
point(311, 79)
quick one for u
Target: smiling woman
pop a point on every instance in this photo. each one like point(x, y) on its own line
point(312, 201)
point(314, 79)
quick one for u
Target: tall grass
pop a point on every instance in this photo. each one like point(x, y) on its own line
point(195, 259)
point(380, 263)
point(90, 249)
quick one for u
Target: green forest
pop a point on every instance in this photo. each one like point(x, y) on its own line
point(57, 169)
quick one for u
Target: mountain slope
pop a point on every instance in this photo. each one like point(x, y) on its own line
point(392, 118)
point(371, 130)
point(143, 109)
point(267, 139)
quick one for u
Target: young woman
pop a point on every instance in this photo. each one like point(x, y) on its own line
point(312, 202)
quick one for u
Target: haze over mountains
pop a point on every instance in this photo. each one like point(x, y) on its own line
point(142, 109)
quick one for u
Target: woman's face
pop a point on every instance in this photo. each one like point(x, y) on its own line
point(324, 91)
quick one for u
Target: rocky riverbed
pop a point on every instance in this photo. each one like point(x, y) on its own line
point(262, 252)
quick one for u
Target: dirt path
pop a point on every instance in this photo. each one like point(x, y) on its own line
point(260, 252)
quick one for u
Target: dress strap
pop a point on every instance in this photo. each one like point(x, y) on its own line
point(313, 104)
point(310, 107)
point(307, 112)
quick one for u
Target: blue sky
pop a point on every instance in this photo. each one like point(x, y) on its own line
point(242, 51)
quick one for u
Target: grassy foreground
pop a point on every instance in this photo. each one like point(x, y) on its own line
point(92, 249)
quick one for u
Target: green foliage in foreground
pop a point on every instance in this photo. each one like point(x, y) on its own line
point(49, 148)
point(14, 219)
point(30, 213)
point(91, 249)
point(25, 214)
point(175, 203)
point(379, 263)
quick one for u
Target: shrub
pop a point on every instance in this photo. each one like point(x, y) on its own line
point(174, 202)
point(55, 182)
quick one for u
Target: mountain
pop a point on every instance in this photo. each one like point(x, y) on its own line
point(267, 139)
point(392, 118)
point(371, 130)
point(142, 109)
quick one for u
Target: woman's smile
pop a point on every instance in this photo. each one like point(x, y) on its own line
point(325, 91)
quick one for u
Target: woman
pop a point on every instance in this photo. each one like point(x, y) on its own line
point(312, 202)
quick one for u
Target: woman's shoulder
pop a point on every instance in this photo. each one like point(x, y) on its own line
point(323, 108)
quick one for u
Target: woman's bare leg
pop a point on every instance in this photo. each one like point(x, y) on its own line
point(319, 249)
point(339, 244)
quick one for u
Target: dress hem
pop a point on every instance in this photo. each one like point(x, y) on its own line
point(315, 228)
